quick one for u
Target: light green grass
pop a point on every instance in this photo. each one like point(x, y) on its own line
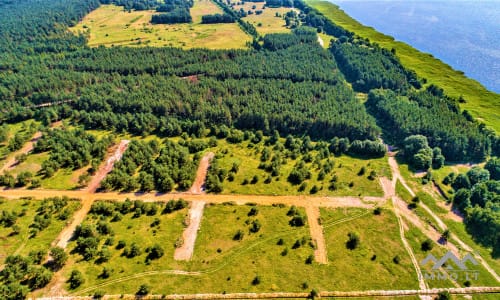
point(20, 127)
point(230, 266)
point(22, 244)
point(112, 25)
point(33, 164)
point(482, 104)
point(379, 235)
point(269, 22)
point(346, 168)
point(131, 230)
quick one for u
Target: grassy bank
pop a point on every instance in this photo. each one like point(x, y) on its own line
point(481, 103)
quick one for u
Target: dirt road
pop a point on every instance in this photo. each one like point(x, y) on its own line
point(201, 174)
point(431, 233)
point(28, 147)
point(185, 252)
point(316, 230)
point(107, 165)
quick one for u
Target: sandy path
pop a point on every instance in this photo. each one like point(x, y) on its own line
point(185, 252)
point(316, 230)
point(201, 174)
point(107, 165)
point(397, 176)
point(28, 147)
point(65, 235)
point(318, 201)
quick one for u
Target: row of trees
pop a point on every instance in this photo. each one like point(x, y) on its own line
point(217, 18)
point(178, 15)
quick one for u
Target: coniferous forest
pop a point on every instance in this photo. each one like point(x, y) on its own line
point(282, 82)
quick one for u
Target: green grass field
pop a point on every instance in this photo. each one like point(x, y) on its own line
point(131, 230)
point(482, 104)
point(267, 21)
point(23, 243)
point(227, 265)
point(346, 168)
point(111, 25)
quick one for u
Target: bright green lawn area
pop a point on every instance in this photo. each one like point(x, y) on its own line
point(21, 243)
point(111, 25)
point(482, 104)
point(346, 168)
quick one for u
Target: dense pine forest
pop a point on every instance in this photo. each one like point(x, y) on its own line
point(282, 82)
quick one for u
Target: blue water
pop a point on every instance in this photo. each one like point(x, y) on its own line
point(463, 34)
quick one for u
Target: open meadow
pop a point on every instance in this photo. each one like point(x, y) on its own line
point(32, 225)
point(111, 25)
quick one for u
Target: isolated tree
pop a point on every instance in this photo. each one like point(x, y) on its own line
point(59, 258)
point(427, 245)
point(75, 279)
point(353, 241)
point(155, 252)
point(144, 289)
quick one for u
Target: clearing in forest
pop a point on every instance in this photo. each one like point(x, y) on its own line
point(265, 20)
point(111, 25)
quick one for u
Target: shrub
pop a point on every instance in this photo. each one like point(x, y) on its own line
point(75, 279)
point(427, 245)
point(353, 241)
point(144, 289)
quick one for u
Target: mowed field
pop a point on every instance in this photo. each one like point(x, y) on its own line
point(111, 25)
point(482, 104)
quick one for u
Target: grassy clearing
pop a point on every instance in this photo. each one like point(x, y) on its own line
point(482, 104)
point(130, 229)
point(379, 236)
point(23, 243)
point(346, 168)
point(111, 25)
point(20, 127)
point(267, 21)
point(228, 266)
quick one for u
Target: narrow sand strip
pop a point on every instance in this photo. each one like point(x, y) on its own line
point(185, 252)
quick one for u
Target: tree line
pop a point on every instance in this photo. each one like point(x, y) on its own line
point(477, 196)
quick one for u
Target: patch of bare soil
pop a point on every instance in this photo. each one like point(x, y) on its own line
point(185, 252)
point(201, 174)
point(107, 165)
point(316, 230)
